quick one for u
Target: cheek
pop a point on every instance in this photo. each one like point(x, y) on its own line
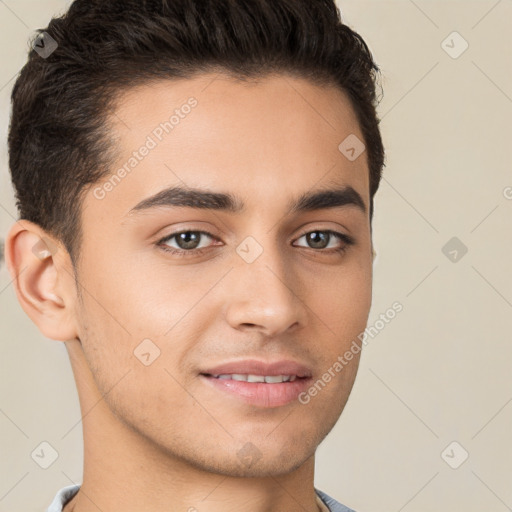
point(130, 299)
point(135, 369)
point(143, 323)
point(342, 300)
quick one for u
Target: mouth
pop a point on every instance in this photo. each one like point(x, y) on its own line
point(267, 379)
point(258, 371)
point(265, 391)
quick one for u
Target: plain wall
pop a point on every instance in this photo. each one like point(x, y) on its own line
point(439, 371)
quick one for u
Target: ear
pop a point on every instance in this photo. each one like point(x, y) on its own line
point(42, 276)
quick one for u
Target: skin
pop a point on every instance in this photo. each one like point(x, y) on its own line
point(156, 437)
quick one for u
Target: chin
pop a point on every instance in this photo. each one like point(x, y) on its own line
point(259, 468)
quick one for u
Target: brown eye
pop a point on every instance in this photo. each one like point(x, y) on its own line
point(318, 239)
point(186, 242)
point(321, 239)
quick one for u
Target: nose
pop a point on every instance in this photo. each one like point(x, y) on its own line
point(263, 296)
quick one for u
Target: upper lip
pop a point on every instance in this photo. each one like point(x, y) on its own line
point(256, 367)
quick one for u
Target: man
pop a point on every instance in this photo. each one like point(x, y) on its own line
point(195, 182)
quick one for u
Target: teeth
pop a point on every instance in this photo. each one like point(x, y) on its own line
point(255, 378)
point(270, 379)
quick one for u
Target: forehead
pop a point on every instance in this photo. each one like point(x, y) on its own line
point(264, 140)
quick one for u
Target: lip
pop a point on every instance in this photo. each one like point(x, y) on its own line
point(260, 394)
point(256, 367)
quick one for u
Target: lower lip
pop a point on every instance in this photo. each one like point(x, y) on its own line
point(260, 393)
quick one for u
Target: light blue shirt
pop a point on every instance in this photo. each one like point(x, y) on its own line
point(66, 493)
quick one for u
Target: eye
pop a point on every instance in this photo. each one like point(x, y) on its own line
point(187, 242)
point(321, 239)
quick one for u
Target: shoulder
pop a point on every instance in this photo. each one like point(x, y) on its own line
point(66, 494)
point(62, 497)
point(334, 506)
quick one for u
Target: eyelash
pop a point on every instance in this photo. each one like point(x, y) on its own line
point(349, 241)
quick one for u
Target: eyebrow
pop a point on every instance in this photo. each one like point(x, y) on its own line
point(203, 199)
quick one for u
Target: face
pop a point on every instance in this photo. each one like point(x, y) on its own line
point(178, 286)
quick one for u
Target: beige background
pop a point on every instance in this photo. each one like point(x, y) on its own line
point(439, 372)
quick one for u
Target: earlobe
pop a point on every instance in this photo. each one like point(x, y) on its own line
point(43, 288)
